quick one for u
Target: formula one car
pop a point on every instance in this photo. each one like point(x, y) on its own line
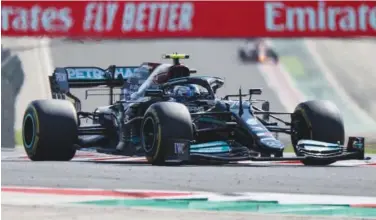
point(173, 116)
point(257, 52)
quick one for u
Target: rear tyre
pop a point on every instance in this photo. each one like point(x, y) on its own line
point(317, 120)
point(162, 122)
point(242, 55)
point(49, 130)
point(272, 54)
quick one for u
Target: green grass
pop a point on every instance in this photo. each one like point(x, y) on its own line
point(370, 149)
point(293, 66)
point(18, 137)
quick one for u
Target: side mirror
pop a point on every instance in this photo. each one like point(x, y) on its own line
point(154, 93)
point(265, 107)
point(255, 92)
point(192, 71)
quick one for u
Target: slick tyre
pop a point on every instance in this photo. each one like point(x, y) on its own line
point(162, 122)
point(49, 130)
point(273, 55)
point(318, 120)
point(242, 55)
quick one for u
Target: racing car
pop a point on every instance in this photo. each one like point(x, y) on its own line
point(257, 52)
point(173, 115)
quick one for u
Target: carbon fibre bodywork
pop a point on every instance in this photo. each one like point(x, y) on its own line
point(225, 129)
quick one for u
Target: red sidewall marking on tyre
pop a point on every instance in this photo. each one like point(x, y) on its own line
point(83, 192)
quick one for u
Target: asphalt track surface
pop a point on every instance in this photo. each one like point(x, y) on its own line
point(211, 58)
point(224, 179)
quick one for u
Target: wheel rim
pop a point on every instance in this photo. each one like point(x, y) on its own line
point(148, 133)
point(28, 131)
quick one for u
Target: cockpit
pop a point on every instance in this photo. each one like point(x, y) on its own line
point(162, 73)
point(188, 92)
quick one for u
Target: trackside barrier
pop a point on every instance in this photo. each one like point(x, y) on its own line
point(188, 19)
point(12, 78)
point(26, 73)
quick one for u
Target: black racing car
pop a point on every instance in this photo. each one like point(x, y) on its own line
point(171, 116)
point(257, 52)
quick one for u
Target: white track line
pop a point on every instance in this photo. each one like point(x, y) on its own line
point(9, 197)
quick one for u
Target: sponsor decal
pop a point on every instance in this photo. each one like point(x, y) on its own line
point(320, 16)
point(264, 134)
point(190, 19)
point(252, 121)
point(179, 148)
point(209, 144)
point(81, 18)
point(97, 73)
point(257, 128)
point(210, 147)
point(85, 73)
point(211, 150)
point(61, 77)
point(271, 142)
point(358, 143)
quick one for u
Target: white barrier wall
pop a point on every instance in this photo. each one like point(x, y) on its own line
point(36, 62)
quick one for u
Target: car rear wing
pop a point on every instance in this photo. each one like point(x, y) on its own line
point(65, 78)
point(86, 77)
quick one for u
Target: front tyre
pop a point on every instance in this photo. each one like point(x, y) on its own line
point(317, 120)
point(49, 130)
point(163, 122)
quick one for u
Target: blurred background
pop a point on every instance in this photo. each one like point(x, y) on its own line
point(288, 70)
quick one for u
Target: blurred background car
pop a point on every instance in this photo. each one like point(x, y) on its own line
point(256, 50)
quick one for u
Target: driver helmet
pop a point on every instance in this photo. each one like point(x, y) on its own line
point(186, 91)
